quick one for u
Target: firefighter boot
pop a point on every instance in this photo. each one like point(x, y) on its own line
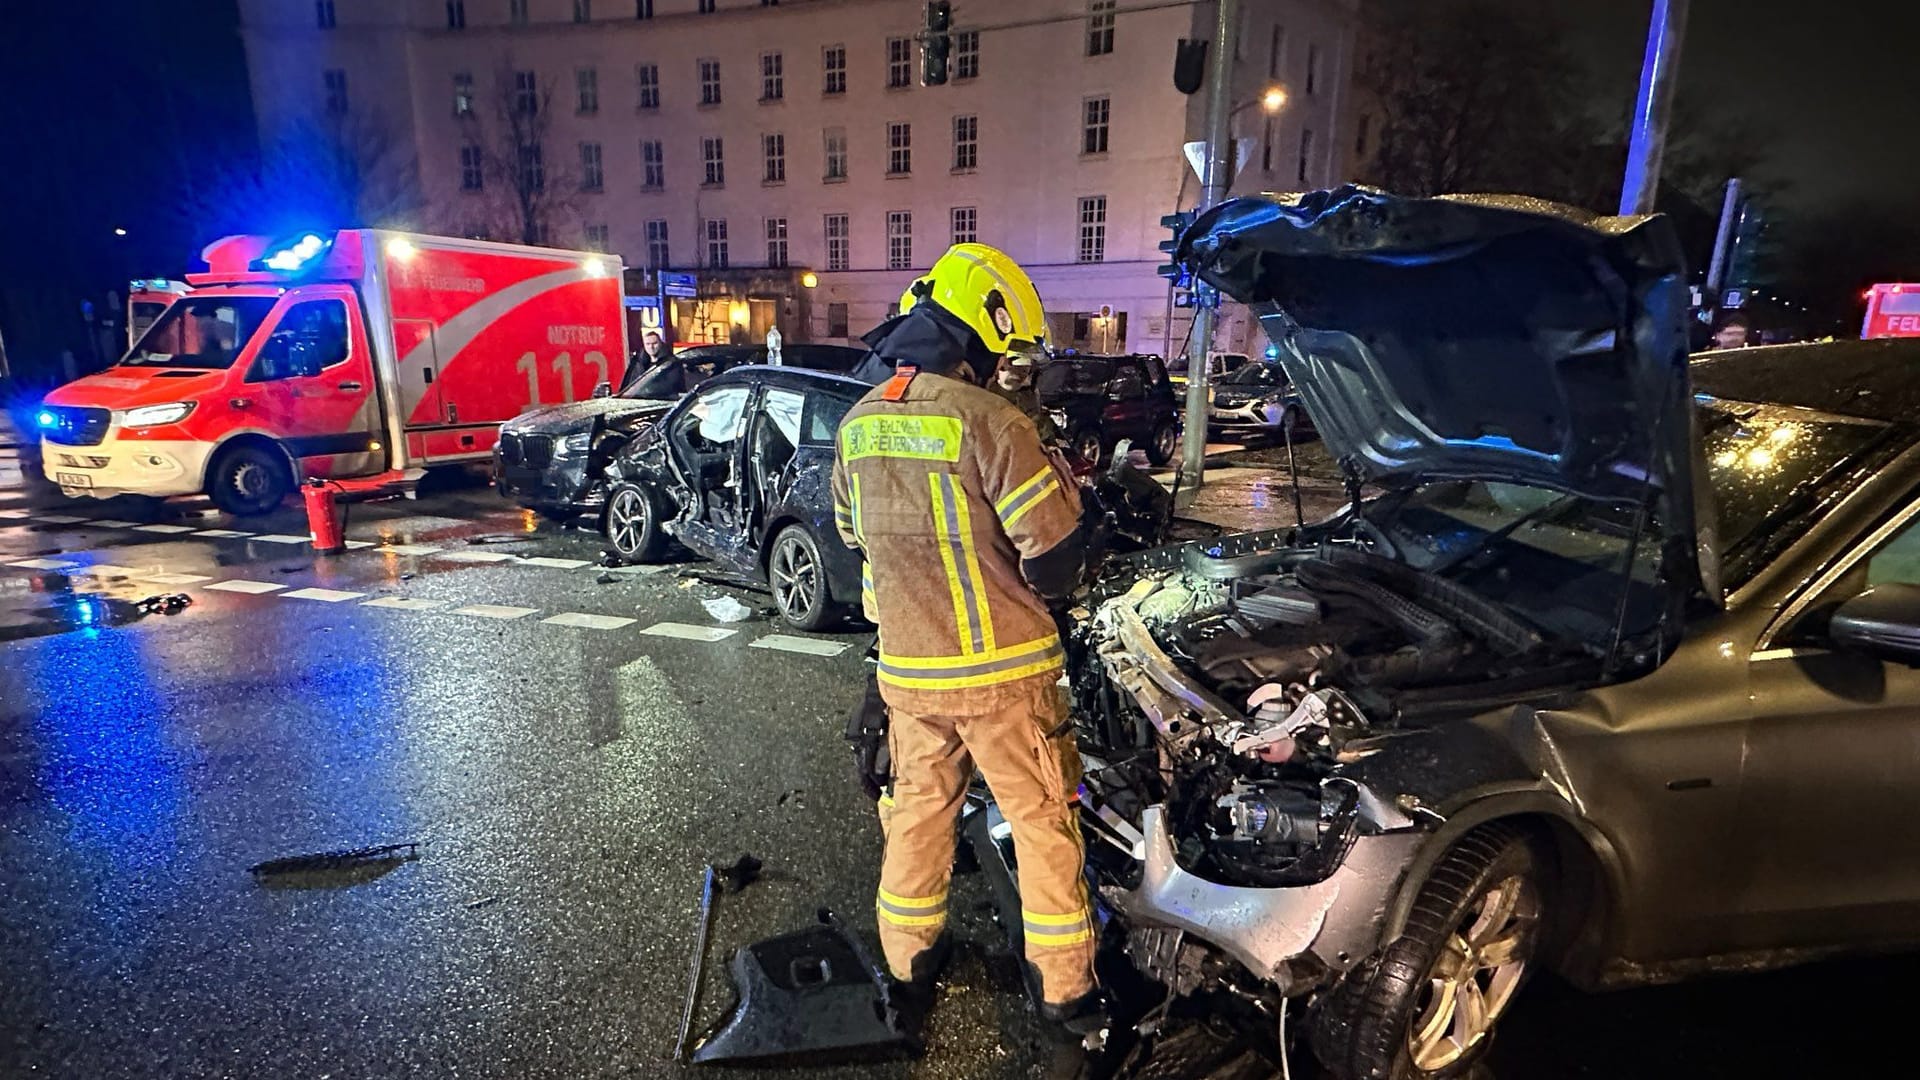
point(1075, 1039)
point(912, 998)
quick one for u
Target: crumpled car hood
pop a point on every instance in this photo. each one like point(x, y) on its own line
point(578, 415)
point(1494, 337)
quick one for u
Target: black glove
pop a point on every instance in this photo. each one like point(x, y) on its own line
point(867, 735)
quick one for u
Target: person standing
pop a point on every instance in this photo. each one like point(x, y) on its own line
point(1014, 381)
point(969, 531)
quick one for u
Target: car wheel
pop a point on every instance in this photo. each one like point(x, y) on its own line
point(1426, 1008)
point(1085, 445)
point(798, 577)
point(248, 480)
point(632, 523)
point(1166, 439)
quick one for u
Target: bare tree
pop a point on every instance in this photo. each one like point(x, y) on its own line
point(333, 172)
point(532, 188)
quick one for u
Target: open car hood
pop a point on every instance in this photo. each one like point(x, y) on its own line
point(1473, 337)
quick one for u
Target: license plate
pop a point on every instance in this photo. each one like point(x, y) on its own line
point(73, 479)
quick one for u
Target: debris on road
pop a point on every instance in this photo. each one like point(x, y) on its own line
point(605, 579)
point(740, 873)
point(727, 610)
point(344, 859)
point(165, 604)
point(496, 538)
point(698, 965)
point(485, 901)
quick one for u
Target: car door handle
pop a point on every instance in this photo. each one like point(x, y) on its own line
point(350, 385)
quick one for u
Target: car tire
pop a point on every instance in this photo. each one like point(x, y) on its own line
point(632, 523)
point(1166, 439)
point(1085, 445)
point(248, 479)
point(798, 577)
point(1474, 929)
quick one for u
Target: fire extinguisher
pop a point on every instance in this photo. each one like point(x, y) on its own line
point(326, 519)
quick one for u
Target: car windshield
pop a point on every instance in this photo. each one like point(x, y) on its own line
point(1256, 375)
point(201, 332)
point(1073, 377)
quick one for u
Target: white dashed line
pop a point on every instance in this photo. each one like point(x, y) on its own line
point(60, 519)
point(164, 528)
point(356, 545)
point(115, 523)
point(15, 513)
point(688, 632)
point(221, 534)
point(176, 579)
point(412, 549)
point(494, 611)
point(251, 588)
point(331, 596)
point(44, 564)
point(588, 622)
point(557, 564)
point(101, 569)
point(476, 556)
point(284, 538)
point(804, 645)
point(406, 603)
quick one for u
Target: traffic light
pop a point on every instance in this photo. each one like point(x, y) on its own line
point(936, 43)
point(1177, 272)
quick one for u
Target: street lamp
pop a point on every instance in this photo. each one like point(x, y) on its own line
point(1271, 101)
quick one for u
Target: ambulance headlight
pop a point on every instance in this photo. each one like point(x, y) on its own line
point(151, 415)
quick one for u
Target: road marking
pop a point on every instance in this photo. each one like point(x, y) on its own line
point(557, 564)
point(164, 528)
point(251, 588)
point(284, 538)
point(477, 556)
point(356, 545)
point(15, 512)
point(688, 632)
point(331, 596)
point(223, 534)
point(176, 579)
point(114, 523)
point(494, 611)
point(44, 564)
point(101, 569)
point(412, 549)
point(60, 519)
point(406, 603)
point(804, 645)
point(648, 568)
point(588, 622)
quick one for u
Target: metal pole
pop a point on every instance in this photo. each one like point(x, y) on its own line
point(1219, 174)
point(1722, 241)
point(1653, 106)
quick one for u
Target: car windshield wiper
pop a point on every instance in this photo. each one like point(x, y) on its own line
point(1539, 515)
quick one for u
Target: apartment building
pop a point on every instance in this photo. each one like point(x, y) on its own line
point(786, 153)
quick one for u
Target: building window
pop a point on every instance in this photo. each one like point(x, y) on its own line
point(706, 8)
point(1306, 156)
point(776, 241)
point(838, 241)
point(1313, 67)
point(463, 94)
point(836, 142)
point(709, 82)
point(717, 243)
point(1274, 50)
point(899, 62)
point(592, 177)
point(472, 172)
point(323, 14)
point(714, 157)
point(526, 93)
point(966, 142)
point(657, 254)
point(587, 82)
point(966, 54)
point(1099, 27)
point(336, 84)
point(533, 168)
point(582, 10)
point(899, 239)
point(649, 77)
point(595, 236)
point(773, 83)
point(1093, 228)
point(1266, 148)
point(833, 66)
point(643, 9)
point(1093, 132)
point(837, 320)
point(456, 14)
point(653, 165)
point(773, 147)
point(517, 12)
point(899, 149)
point(966, 225)
point(1360, 133)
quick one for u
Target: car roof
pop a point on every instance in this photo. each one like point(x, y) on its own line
point(791, 378)
point(1871, 380)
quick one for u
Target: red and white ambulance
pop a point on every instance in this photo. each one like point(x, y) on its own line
point(147, 298)
point(359, 353)
point(1893, 310)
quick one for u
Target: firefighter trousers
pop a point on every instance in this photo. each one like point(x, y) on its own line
point(1034, 773)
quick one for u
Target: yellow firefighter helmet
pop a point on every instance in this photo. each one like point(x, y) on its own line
point(982, 287)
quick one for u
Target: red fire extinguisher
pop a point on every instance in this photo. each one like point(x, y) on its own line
point(326, 522)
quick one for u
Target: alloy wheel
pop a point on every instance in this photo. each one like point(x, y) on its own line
point(1086, 447)
point(1168, 439)
point(1474, 978)
point(795, 579)
point(626, 520)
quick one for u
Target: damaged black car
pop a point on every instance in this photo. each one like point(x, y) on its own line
point(1588, 677)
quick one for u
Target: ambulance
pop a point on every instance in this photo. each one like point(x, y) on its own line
point(1893, 310)
point(147, 298)
point(361, 353)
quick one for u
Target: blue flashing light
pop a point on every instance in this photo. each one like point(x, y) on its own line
point(1273, 351)
point(297, 254)
point(46, 419)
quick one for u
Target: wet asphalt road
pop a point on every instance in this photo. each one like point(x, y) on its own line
point(563, 782)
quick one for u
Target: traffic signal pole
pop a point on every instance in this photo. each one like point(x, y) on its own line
point(1653, 106)
point(1213, 187)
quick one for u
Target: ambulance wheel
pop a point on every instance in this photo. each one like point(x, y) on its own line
point(798, 577)
point(247, 480)
point(633, 523)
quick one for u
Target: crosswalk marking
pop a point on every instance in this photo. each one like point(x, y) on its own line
point(113, 523)
point(494, 611)
point(406, 603)
point(476, 556)
point(176, 579)
point(557, 564)
point(15, 512)
point(412, 549)
point(251, 588)
point(589, 622)
point(45, 564)
point(331, 596)
point(101, 569)
point(221, 534)
point(284, 538)
point(688, 631)
point(162, 528)
point(804, 645)
point(60, 519)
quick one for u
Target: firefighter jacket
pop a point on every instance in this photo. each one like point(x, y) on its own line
point(944, 488)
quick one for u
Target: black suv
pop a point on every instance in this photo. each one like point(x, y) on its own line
point(1099, 400)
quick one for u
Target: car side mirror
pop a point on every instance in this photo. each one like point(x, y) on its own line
point(1883, 622)
point(603, 389)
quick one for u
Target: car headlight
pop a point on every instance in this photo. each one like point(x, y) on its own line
point(577, 443)
point(152, 415)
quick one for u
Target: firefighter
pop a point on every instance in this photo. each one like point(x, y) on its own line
point(969, 530)
point(1014, 381)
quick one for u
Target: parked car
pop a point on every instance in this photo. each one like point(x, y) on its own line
point(554, 460)
point(739, 473)
point(1252, 403)
point(1219, 366)
point(1536, 701)
point(1097, 401)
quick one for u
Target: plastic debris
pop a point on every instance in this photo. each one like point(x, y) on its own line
point(165, 604)
point(727, 610)
point(739, 874)
point(605, 579)
point(336, 860)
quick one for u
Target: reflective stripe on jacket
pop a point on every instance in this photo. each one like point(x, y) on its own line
point(945, 489)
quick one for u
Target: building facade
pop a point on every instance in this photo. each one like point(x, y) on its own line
point(768, 144)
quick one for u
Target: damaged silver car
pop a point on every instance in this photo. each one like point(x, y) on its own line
point(1606, 669)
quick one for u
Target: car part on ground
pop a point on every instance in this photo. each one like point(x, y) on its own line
point(696, 967)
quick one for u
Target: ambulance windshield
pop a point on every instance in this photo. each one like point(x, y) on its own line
point(201, 332)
